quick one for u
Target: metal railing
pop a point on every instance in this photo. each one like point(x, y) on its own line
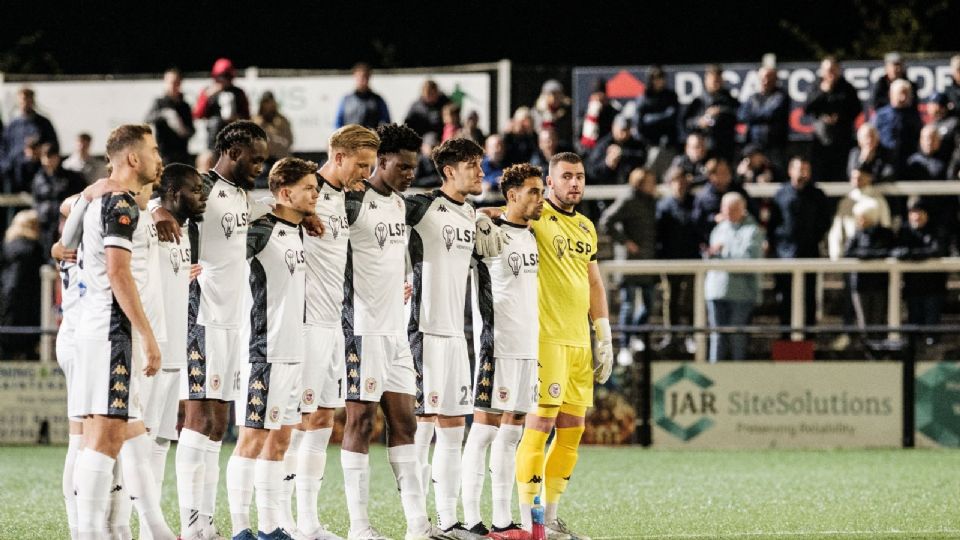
point(797, 268)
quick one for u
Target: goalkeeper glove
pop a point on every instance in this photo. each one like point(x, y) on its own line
point(603, 361)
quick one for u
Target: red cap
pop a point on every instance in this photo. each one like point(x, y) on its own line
point(222, 67)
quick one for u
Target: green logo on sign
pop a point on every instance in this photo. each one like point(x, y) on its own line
point(669, 403)
point(938, 404)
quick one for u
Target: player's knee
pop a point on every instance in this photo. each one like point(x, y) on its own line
point(402, 430)
point(361, 425)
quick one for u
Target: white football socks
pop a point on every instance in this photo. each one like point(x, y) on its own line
point(503, 467)
point(475, 470)
point(446, 474)
point(69, 495)
point(356, 486)
point(159, 461)
point(422, 439)
point(267, 480)
point(289, 480)
point(311, 465)
point(136, 460)
point(94, 479)
point(118, 515)
point(190, 462)
point(406, 467)
point(240, 478)
point(211, 481)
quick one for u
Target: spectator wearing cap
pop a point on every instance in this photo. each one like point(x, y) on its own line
point(493, 162)
point(552, 109)
point(893, 70)
point(520, 140)
point(925, 292)
point(221, 102)
point(81, 161)
point(425, 115)
point(756, 168)
point(938, 108)
point(714, 114)
point(767, 116)
point(899, 124)
point(616, 154)
point(27, 125)
point(693, 160)
point(362, 106)
point(657, 111)
point(844, 223)
point(172, 120)
point(869, 155)
point(953, 91)
point(871, 240)
point(799, 220)
point(51, 186)
point(706, 206)
point(834, 106)
point(598, 120)
point(278, 130)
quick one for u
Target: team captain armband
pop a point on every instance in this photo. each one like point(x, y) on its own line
point(120, 215)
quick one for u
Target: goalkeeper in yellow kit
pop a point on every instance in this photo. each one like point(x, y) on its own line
point(570, 290)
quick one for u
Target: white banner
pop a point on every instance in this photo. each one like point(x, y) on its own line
point(777, 405)
point(310, 103)
point(29, 397)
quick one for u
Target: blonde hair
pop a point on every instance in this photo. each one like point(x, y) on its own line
point(353, 137)
point(25, 224)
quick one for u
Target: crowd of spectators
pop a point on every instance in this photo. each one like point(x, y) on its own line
point(703, 153)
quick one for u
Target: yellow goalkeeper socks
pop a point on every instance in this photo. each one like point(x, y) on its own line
point(561, 459)
point(530, 458)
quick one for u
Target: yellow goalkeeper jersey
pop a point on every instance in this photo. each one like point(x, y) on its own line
point(567, 242)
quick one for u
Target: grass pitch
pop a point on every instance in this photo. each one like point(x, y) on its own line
point(619, 493)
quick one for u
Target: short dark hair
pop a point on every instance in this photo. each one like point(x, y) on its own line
point(714, 162)
point(453, 151)
point(566, 157)
point(85, 136)
point(241, 132)
point(174, 177)
point(397, 137)
point(515, 175)
point(49, 149)
point(289, 171)
point(125, 136)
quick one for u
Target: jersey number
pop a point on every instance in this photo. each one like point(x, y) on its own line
point(464, 395)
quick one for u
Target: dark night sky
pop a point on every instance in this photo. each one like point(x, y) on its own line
point(121, 36)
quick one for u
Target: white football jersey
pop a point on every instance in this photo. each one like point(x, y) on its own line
point(145, 265)
point(110, 222)
point(221, 250)
point(442, 235)
point(327, 258)
point(505, 311)
point(71, 289)
point(175, 282)
point(276, 290)
point(376, 264)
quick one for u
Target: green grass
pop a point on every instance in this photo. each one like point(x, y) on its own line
point(622, 493)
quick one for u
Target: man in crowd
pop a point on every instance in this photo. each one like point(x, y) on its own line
point(899, 124)
point(657, 112)
point(424, 115)
point(766, 114)
point(27, 125)
point(678, 237)
point(714, 114)
point(893, 70)
point(92, 168)
point(834, 106)
point(616, 154)
point(363, 106)
point(706, 206)
point(693, 160)
point(869, 155)
point(172, 120)
point(220, 103)
point(51, 186)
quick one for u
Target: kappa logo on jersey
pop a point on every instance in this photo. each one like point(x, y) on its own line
point(222, 194)
point(383, 231)
point(337, 223)
point(231, 221)
point(373, 205)
point(564, 245)
point(442, 208)
point(451, 234)
point(554, 218)
point(293, 258)
point(282, 233)
point(326, 196)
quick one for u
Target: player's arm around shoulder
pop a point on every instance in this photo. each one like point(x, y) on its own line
point(259, 235)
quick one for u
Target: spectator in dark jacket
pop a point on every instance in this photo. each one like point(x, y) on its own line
point(427, 176)
point(172, 121)
point(363, 106)
point(899, 126)
point(493, 162)
point(714, 114)
point(925, 163)
point(598, 118)
point(657, 112)
point(24, 166)
point(520, 140)
point(20, 261)
point(924, 292)
point(800, 217)
point(869, 155)
point(720, 181)
point(222, 102)
point(767, 116)
point(894, 70)
point(616, 155)
point(631, 222)
point(678, 238)
point(552, 109)
point(756, 168)
point(26, 126)
point(868, 290)
point(693, 160)
point(425, 113)
point(51, 186)
point(953, 91)
point(947, 124)
point(834, 106)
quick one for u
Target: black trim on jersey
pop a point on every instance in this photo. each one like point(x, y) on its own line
point(257, 388)
point(438, 192)
point(352, 204)
point(196, 347)
point(417, 206)
point(327, 182)
point(374, 188)
point(483, 393)
point(258, 311)
point(352, 343)
point(193, 233)
point(258, 235)
point(561, 210)
point(415, 250)
point(121, 365)
point(501, 221)
point(416, 351)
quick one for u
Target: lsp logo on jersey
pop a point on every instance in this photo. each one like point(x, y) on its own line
point(451, 234)
point(178, 258)
point(383, 231)
point(231, 221)
point(564, 245)
point(293, 258)
point(518, 262)
point(337, 223)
